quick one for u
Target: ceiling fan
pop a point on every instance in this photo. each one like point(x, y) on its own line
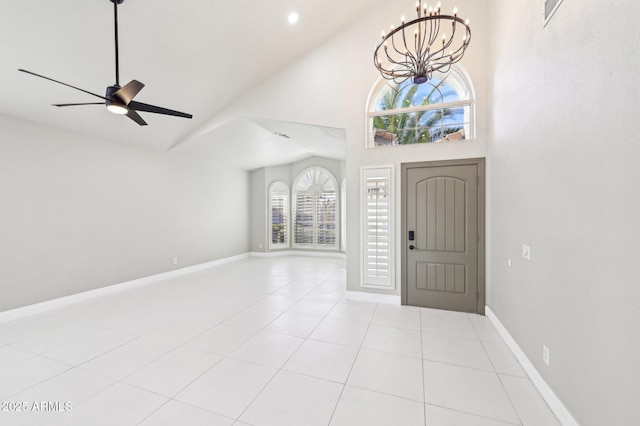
point(119, 100)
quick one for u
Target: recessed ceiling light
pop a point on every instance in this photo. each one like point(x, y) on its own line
point(293, 18)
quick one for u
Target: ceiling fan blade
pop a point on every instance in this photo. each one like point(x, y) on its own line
point(64, 84)
point(136, 117)
point(139, 106)
point(86, 103)
point(129, 91)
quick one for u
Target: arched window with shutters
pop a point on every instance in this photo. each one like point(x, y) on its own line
point(279, 215)
point(315, 209)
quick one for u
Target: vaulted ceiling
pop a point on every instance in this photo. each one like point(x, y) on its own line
point(196, 56)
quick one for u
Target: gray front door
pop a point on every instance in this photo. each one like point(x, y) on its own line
point(442, 236)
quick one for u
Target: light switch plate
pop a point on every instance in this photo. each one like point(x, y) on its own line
point(526, 252)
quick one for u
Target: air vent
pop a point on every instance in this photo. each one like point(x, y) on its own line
point(549, 8)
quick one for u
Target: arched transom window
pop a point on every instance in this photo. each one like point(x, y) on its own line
point(436, 111)
point(315, 209)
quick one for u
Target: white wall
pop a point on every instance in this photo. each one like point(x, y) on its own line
point(78, 213)
point(258, 212)
point(563, 175)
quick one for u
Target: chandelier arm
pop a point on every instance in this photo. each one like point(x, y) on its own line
point(404, 40)
point(435, 30)
point(390, 74)
point(393, 44)
point(423, 38)
point(416, 41)
point(393, 61)
point(453, 33)
point(455, 57)
point(440, 67)
point(453, 36)
point(406, 64)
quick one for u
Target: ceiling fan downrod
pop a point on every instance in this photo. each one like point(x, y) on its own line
point(115, 21)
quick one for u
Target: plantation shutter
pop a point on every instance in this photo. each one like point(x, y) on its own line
point(343, 216)
point(304, 228)
point(279, 210)
point(326, 219)
point(377, 250)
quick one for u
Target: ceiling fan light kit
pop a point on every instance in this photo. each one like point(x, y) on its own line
point(119, 100)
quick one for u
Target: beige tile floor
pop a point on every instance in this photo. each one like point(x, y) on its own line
point(260, 342)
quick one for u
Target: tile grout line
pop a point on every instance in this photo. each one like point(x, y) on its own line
point(172, 398)
point(353, 363)
point(290, 356)
point(496, 373)
point(424, 389)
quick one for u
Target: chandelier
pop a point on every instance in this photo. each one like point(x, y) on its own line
point(402, 55)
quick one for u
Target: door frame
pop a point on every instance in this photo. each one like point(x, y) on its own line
point(480, 163)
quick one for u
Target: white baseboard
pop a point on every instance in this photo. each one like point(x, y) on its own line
point(49, 305)
point(337, 255)
point(360, 296)
point(558, 408)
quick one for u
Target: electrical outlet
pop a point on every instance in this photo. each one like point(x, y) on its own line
point(545, 354)
point(526, 252)
point(260, 245)
point(175, 260)
point(509, 263)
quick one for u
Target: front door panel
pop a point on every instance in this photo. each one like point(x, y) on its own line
point(442, 259)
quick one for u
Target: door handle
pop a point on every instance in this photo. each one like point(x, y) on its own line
point(411, 247)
